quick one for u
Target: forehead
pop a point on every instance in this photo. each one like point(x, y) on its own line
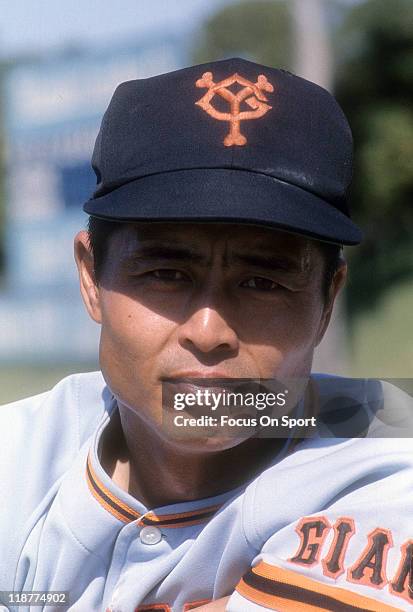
point(205, 236)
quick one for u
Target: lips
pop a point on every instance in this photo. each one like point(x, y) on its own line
point(191, 382)
point(190, 386)
point(199, 374)
point(218, 386)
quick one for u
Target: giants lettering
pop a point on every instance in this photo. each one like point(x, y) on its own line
point(370, 567)
point(163, 607)
point(402, 583)
point(153, 608)
point(196, 604)
point(312, 534)
point(333, 563)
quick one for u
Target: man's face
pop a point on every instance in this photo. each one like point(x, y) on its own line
point(196, 300)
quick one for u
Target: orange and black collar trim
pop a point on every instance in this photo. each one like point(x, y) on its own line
point(125, 513)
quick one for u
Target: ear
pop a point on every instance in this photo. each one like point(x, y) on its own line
point(88, 285)
point(338, 282)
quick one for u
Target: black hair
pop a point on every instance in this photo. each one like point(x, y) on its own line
point(333, 257)
point(100, 232)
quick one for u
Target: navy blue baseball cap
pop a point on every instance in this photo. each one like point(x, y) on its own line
point(229, 141)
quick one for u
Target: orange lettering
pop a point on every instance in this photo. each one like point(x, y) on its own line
point(312, 533)
point(402, 583)
point(370, 567)
point(333, 563)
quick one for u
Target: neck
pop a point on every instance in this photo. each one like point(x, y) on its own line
point(158, 473)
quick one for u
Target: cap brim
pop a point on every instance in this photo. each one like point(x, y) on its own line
point(226, 195)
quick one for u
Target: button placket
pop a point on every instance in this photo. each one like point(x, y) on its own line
point(125, 537)
point(150, 535)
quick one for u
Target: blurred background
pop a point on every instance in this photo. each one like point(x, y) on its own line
point(59, 65)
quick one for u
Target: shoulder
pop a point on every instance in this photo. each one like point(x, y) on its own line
point(332, 521)
point(362, 408)
point(41, 435)
point(74, 402)
point(338, 528)
point(325, 468)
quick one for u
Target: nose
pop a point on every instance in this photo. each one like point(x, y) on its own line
point(208, 332)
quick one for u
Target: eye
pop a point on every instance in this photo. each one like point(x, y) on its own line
point(166, 274)
point(260, 283)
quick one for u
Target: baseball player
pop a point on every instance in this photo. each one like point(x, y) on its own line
point(213, 252)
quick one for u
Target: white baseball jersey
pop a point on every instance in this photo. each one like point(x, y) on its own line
point(327, 526)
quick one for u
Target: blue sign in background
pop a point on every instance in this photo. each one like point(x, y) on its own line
point(53, 111)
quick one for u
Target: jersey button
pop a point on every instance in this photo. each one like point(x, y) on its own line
point(150, 535)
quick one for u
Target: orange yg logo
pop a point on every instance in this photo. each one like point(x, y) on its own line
point(252, 93)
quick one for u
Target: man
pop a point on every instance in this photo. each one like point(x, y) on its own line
point(213, 252)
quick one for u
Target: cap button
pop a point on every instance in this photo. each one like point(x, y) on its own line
point(150, 535)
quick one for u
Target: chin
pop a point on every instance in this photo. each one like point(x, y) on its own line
point(205, 444)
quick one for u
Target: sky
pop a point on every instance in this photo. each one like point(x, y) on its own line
point(35, 25)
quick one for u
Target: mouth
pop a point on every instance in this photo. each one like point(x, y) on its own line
point(195, 382)
point(190, 381)
point(199, 375)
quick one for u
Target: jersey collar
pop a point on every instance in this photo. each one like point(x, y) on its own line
point(127, 509)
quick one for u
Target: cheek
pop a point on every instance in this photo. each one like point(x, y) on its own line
point(286, 337)
point(303, 321)
point(132, 338)
point(300, 336)
point(129, 327)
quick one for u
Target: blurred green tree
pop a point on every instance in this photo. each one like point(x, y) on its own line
point(373, 46)
point(374, 84)
point(258, 30)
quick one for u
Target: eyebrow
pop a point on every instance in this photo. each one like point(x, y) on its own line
point(270, 262)
point(174, 253)
point(155, 253)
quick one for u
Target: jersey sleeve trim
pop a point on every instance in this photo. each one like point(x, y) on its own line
point(285, 591)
